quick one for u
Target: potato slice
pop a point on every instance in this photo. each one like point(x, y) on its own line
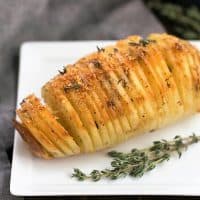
point(62, 137)
point(68, 116)
point(31, 122)
point(179, 67)
point(35, 147)
point(114, 125)
point(116, 101)
point(194, 63)
point(134, 88)
point(101, 88)
point(95, 106)
point(174, 99)
point(132, 115)
point(43, 126)
point(86, 118)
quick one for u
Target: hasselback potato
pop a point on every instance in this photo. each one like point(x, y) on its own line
point(135, 86)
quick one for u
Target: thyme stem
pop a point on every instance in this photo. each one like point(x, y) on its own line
point(137, 162)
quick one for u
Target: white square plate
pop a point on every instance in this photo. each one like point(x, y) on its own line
point(39, 62)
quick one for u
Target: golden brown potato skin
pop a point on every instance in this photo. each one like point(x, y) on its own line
point(135, 86)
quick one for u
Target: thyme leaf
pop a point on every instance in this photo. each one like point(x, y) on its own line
point(145, 42)
point(99, 49)
point(110, 103)
point(142, 42)
point(63, 71)
point(138, 161)
point(96, 63)
point(74, 86)
point(123, 82)
point(115, 50)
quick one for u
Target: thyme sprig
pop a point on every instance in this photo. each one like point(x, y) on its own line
point(137, 162)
